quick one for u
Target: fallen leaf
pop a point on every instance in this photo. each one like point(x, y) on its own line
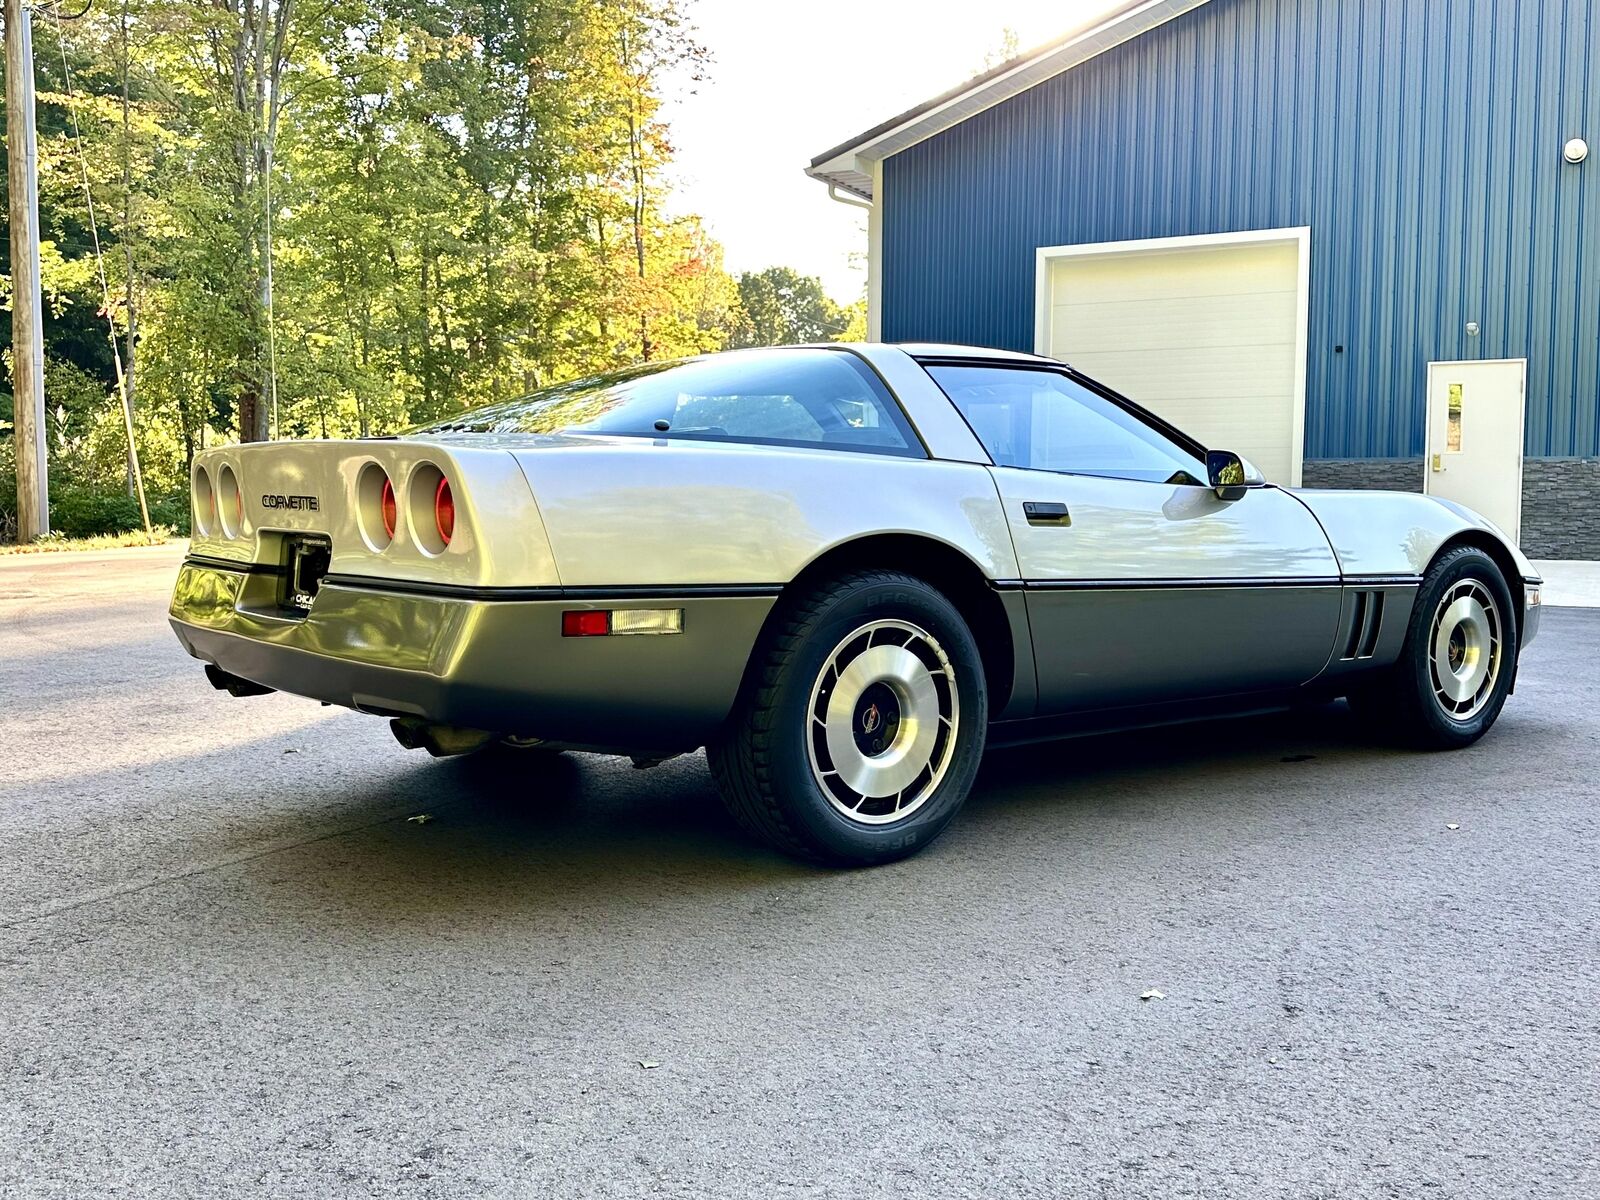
point(1452, 826)
point(420, 819)
point(292, 750)
point(1152, 994)
point(648, 1064)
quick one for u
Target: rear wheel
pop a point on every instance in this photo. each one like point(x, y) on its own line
point(859, 732)
point(1459, 658)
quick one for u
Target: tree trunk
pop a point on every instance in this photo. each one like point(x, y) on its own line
point(130, 298)
point(258, 64)
point(636, 163)
point(27, 308)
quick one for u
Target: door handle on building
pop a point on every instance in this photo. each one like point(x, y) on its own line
point(1438, 462)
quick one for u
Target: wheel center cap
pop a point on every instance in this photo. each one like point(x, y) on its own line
point(871, 720)
point(877, 720)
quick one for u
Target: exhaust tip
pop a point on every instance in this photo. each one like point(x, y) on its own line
point(441, 741)
point(234, 685)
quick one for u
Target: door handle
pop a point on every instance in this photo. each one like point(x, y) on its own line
point(1046, 512)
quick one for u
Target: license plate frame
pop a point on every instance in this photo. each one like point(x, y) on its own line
point(306, 560)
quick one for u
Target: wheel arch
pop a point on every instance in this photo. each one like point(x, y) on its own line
point(1007, 655)
point(1481, 539)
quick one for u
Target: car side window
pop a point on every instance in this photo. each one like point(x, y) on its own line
point(825, 399)
point(1046, 421)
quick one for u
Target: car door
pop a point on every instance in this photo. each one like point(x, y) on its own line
point(1142, 585)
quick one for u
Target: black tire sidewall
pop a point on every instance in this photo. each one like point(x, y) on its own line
point(1435, 727)
point(804, 803)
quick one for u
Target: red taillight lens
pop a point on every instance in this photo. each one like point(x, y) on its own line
point(592, 622)
point(391, 510)
point(444, 511)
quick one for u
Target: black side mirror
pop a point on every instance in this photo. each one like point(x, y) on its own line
point(1226, 471)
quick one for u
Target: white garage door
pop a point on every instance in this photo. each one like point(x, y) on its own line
point(1207, 333)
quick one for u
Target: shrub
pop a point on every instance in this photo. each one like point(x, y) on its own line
point(81, 512)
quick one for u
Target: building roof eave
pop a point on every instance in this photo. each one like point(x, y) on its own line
point(848, 165)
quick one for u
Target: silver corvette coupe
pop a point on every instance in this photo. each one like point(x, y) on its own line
point(843, 570)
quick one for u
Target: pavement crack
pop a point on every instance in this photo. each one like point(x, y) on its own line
point(144, 885)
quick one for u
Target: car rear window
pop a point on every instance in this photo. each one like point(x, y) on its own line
point(825, 399)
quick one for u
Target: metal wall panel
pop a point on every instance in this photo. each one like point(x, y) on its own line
point(1419, 139)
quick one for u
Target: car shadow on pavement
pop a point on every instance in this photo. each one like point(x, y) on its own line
point(1299, 734)
point(529, 831)
point(383, 841)
point(535, 833)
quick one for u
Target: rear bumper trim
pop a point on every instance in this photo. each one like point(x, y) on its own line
point(458, 591)
point(478, 662)
point(228, 564)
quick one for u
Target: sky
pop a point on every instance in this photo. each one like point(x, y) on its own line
point(788, 81)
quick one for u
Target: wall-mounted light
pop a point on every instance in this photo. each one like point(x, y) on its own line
point(1575, 151)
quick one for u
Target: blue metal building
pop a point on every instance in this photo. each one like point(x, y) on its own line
point(1402, 184)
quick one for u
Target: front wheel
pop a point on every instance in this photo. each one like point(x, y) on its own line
point(860, 728)
point(1458, 661)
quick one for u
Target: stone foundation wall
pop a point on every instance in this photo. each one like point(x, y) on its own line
point(1561, 507)
point(1560, 497)
point(1384, 474)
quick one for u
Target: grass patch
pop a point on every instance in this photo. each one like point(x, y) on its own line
point(53, 542)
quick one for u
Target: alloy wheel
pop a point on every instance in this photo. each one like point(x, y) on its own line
point(882, 721)
point(1467, 646)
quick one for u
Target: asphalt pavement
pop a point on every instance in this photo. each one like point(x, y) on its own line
point(231, 964)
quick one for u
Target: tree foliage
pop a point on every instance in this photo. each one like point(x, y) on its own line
point(779, 306)
point(340, 217)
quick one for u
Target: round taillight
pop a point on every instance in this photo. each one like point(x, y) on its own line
point(231, 502)
point(205, 502)
point(444, 510)
point(430, 508)
point(377, 507)
point(391, 510)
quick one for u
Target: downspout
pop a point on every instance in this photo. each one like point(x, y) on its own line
point(874, 247)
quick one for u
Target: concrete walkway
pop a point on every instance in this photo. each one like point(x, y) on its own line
point(1570, 583)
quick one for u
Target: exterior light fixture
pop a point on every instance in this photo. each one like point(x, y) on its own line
point(1575, 151)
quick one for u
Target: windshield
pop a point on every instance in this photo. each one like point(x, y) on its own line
point(827, 399)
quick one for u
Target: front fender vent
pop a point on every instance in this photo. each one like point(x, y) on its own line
point(1363, 624)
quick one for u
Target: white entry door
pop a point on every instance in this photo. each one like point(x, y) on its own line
point(1475, 413)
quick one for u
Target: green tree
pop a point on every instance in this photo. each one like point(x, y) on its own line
point(373, 212)
point(779, 306)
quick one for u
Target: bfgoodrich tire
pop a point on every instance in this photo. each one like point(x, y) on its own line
point(1458, 662)
point(861, 724)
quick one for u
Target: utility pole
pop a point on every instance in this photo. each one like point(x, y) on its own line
point(27, 334)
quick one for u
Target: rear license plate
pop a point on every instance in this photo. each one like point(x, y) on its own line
point(307, 563)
